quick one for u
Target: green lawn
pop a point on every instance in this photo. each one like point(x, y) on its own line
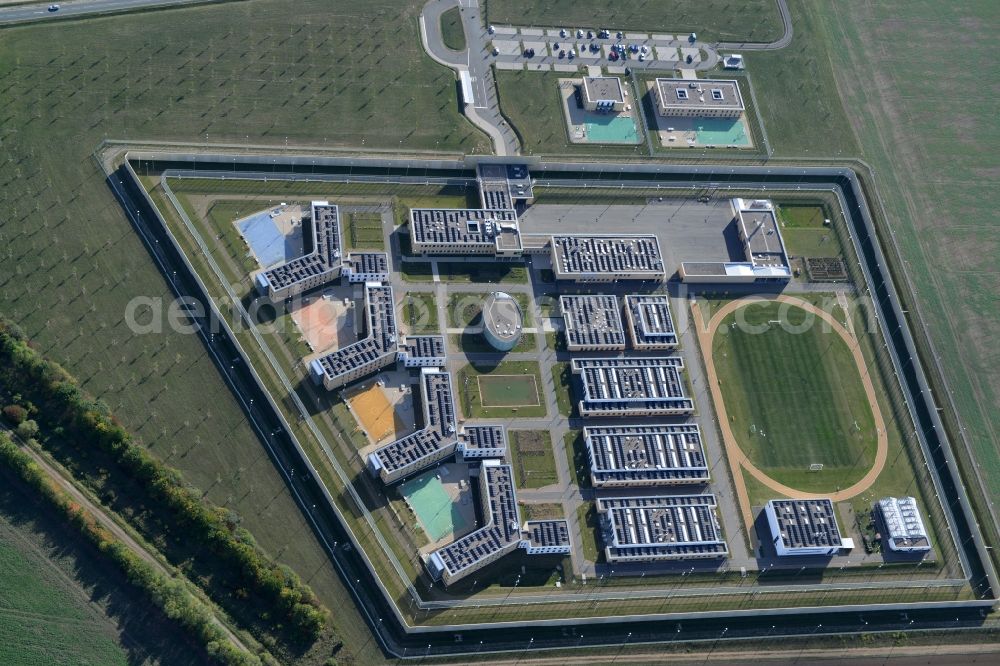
point(509, 391)
point(562, 377)
point(797, 94)
point(420, 312)
point(593, 546)
point(363, 232)
point(487, 271)
point(451, 29)
point(713, 20)
point(531, 102)
point(576, 454)
point(532, 458)
point(794, 398)
point(62, 602)
point(503, 385)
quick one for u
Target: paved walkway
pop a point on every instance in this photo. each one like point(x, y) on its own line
point(737, 458)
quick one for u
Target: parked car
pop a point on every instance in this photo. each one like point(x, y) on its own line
point(53, 8)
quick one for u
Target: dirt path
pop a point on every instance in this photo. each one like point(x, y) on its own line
point(706, 334)
point(98, 513)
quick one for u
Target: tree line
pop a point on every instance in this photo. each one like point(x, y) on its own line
point(205, 539)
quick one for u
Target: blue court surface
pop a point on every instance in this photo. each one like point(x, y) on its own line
point(721, 132)
point(269, 245)
point(612, 129)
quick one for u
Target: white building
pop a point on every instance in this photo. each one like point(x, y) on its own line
point(904, 528)
point(805, 527)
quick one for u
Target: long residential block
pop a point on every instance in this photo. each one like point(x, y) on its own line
point(645, 455)
point(650, 529)
point(632, 386)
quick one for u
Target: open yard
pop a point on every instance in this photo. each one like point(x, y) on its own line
point(532, 458)
point(805, 233)
point(713, 20)
point(363, 232)
point(509, 388)
point(420, 312)
point(794, 397)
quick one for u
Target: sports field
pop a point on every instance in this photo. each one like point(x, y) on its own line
point(375, 413)
point(794, 397)
point(323, 322)
point(433, 505)
point(507, 389)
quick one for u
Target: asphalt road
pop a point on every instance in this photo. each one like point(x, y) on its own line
point(40, 12)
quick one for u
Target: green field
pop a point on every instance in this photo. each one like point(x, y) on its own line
point(593, 547)
point(713, 20)
point(61, 602)
point(238, 72)
point(451, 29)
point(794, 398)
point(506, 389)
point(936, 166)
point(509, 391)
point(475, 343)
point(465, 272)
point(562, 378)
point(532, 458)
point(420, 312)
point(804, 233)
point(364, 232)
point(579, 462)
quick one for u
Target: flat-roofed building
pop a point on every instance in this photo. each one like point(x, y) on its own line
point(465, 231)
point(650, 325)
point(650, 529)
point(377, 349)
point(501, 533)
point(607, 258)
point(423, 351)
point(494, 187)
point(435, 441)
point(367, 267)
point(320, 265)
point(632, 387)
point(766, 259)
point(502, 321)
point(592, 322)
point(902, 527)
point(603, 93)
point(545, 537)
point(645, 455)
point(482, 441)
point(706, 98)
point(804, 527)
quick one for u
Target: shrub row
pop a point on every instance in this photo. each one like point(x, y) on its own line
point(285, 607)
point(169, 595)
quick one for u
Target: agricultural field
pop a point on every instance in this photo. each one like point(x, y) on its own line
point(713, 20)
point(61, 602)
point(532, 458)
point(936, 166)
point(245, 73)
point(794, 396)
